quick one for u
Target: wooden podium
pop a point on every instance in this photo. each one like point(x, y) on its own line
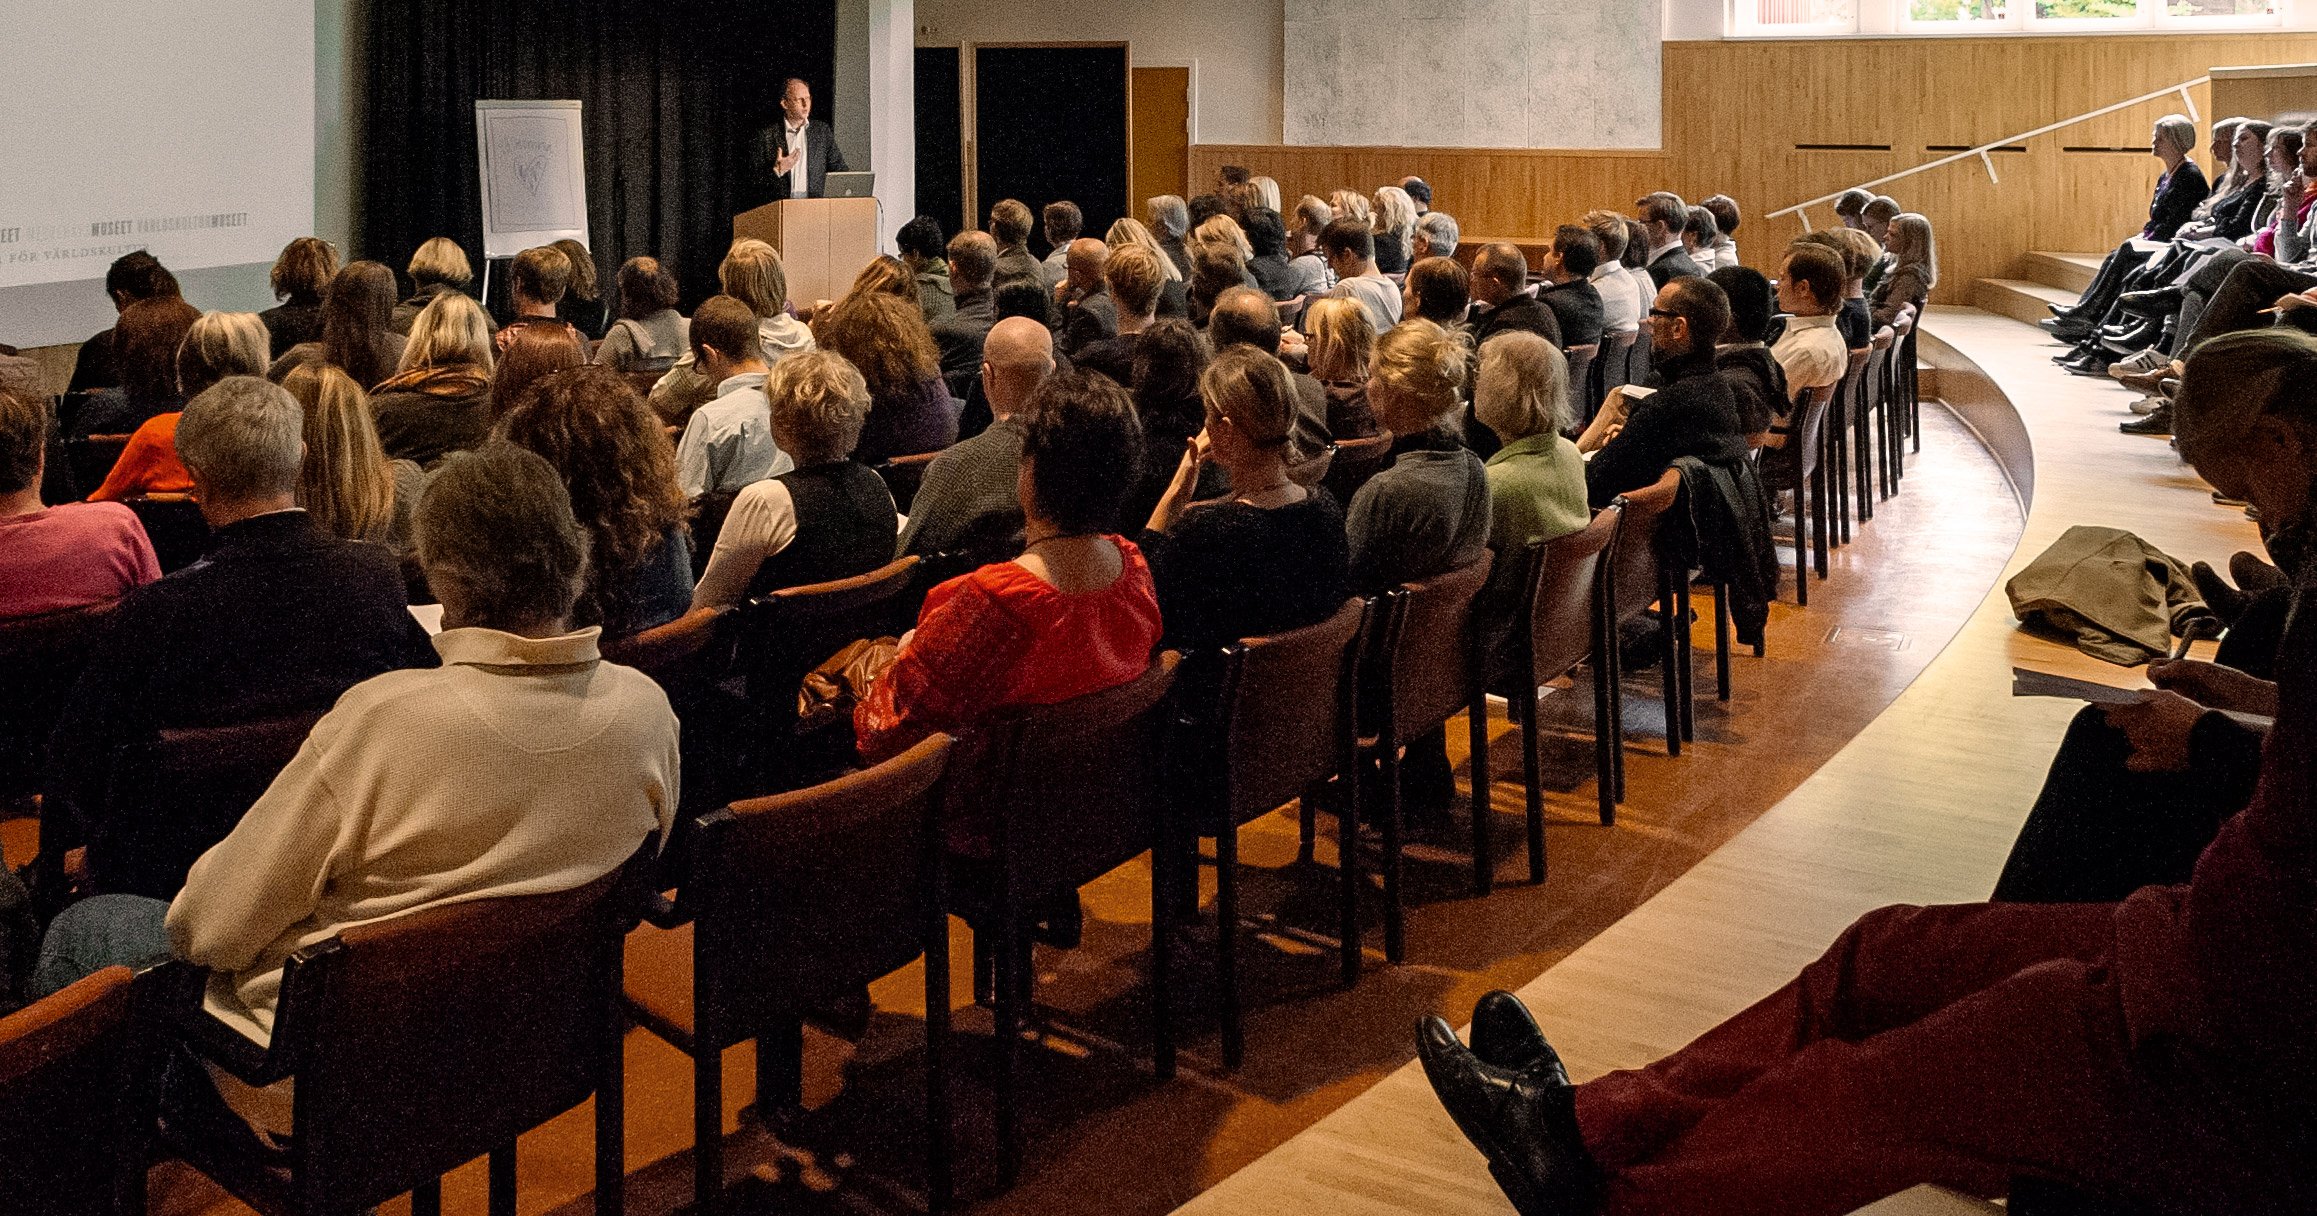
point(823, 242)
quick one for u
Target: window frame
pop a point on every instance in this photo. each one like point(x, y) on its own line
point(1890, 18)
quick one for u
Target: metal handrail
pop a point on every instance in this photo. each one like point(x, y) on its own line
point(1800, 209)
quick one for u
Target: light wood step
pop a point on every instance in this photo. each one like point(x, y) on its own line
point(2067, 271)
point(2019, 299)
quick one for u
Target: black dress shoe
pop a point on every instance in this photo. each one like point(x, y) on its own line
point(1505, 1036)
point(2162, 302)
point(2087, 365)
point(2062, 311)
point(2158, 422)
point(1524, 1123)
point(2068, 329)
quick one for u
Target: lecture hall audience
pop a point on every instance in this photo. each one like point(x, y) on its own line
point(2153, 1050)
point(547, 508)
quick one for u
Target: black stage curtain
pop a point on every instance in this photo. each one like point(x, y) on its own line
point(673, 93)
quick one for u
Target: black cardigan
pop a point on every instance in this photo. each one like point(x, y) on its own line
point(2176, 198)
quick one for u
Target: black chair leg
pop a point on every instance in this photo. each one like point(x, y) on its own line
point(1483, 787)
point(1227, 942)
point(1801, 541)
point(1395, 942)
point(1721, 643)
point(940, 1178)
point(1007, 952)
point(1348, 872)
point(611, 1134)
point(707, 1130)
point(1608, 741)
point(1669, 659)
point(1533, 779)
point(1163, 869)
point(502, 1183)
point(1818, 519)
point(1687, 659)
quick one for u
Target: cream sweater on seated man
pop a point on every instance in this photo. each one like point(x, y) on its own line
point(521, 766)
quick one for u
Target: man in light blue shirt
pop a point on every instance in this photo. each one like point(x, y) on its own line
point(728, 442)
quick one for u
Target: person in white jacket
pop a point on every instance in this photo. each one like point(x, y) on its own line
point(523, 765)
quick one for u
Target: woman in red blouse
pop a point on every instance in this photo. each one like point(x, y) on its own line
point(1074, 614)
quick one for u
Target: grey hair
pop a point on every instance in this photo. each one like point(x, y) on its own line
point(495, 534)
point(819, 404)
point(245, 437)
point(2179, 132)
point(1523, 387)
point(1440, 232)
point(1170, 215)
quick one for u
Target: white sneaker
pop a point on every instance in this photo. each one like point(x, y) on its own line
point(2146, 361)
point(2149, 405)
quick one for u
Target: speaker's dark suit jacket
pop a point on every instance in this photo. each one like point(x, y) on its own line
point(822, 157)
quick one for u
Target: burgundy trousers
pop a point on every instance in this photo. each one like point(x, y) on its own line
point(1957, 1045)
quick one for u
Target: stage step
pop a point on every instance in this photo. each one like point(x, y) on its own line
point(2019, 299)
point(2066, 271)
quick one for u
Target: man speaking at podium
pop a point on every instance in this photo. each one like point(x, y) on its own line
point(798, 153)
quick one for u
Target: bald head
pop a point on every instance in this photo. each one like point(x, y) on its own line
point(1016, 358)
point(1244, 315)
point(1500, 270)
point(1085, 259)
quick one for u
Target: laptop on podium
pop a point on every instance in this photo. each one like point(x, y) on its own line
point(855, 184)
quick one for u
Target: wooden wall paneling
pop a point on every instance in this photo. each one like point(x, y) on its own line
point(2269, 90)
point(1736, 111)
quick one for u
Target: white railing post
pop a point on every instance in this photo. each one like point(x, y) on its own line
point(1989, 161)
point(2188, 100)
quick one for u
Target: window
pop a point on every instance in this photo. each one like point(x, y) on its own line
point(1806, 18)
point(1787, 18)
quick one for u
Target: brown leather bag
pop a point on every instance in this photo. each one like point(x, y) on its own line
point(826, 697)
